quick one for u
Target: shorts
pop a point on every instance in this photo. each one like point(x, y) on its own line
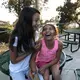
point(41, 63)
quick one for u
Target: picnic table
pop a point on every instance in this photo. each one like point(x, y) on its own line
point(75, 32)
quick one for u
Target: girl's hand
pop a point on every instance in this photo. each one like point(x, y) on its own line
point(38, 46)
point(33, 66)
point(42, 69)
point(41, 72)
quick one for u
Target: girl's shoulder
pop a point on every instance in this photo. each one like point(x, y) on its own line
point(15, 41)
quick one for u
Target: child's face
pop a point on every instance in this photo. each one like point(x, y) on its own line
point(35, 20)
point(48, 32)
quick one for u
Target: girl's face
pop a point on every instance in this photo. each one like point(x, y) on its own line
point(35, 21)
point(48, 32)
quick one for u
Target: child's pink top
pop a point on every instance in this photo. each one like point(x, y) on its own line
point(45, 54)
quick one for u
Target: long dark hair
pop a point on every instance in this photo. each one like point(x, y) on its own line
point(23, 29)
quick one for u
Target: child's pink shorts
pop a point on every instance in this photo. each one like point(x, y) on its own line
point(41, 63)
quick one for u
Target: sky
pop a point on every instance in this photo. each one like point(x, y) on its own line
point(51, 11)
point(5, 15)
point(45, 14)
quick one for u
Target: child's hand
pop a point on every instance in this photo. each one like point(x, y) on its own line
point(38, 46)
point(42, 69)
point(31, 75)
point(33, 67)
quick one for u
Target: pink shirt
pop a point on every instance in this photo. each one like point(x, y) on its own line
point(47, 55)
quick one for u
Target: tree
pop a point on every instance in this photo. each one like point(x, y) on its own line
point(67, 13)
point(78, 13)
point(17, 5)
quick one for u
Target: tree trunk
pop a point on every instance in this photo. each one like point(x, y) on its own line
point(37, 4)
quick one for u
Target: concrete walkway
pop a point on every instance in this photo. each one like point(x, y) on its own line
point(70, 66)
point(3, 76)
point(68, 69)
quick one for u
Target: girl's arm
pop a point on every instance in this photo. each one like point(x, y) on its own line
point(32, 62)
point(14, 56)
point(56, 60)
point(33, 56)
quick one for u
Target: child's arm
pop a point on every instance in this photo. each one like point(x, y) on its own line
point(14, 53)
point(33, 56)
point(14, 56)
point(56, 60)
point(58, 54)
point(32, 62)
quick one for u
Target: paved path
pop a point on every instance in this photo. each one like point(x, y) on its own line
point(68, 69)
point(3, 76)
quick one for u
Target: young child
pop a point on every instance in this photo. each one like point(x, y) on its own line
point(48, 53)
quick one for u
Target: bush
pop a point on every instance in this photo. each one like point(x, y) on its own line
point(4, 37)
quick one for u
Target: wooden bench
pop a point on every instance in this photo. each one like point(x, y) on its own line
point(5, 59)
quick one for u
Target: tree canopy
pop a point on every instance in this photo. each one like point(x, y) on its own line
point(67, 12)
point(17, 5)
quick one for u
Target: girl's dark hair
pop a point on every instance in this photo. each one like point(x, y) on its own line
point(23, 29)
point(52, 27)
